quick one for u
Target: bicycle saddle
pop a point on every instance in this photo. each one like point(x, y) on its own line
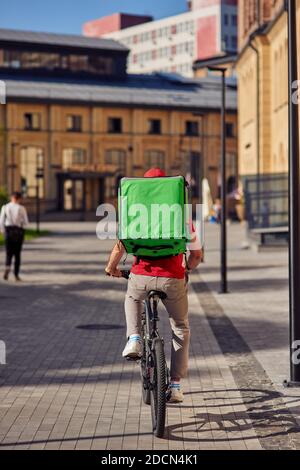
point(157, 293)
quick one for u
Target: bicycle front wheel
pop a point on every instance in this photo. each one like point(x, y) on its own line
point(158, 388)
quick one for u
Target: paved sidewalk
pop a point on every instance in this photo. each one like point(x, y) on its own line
point(65, 385)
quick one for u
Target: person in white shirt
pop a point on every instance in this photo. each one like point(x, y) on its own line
point(13, 220)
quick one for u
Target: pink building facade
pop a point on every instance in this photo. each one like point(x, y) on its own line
point(208, 28)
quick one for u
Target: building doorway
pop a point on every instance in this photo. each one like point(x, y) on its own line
point(74, 195)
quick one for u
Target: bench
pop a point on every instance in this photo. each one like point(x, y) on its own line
point(263, 232)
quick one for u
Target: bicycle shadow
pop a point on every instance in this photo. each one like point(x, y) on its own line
point(265, 412)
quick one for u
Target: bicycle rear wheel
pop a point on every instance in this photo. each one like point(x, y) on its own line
point(145, 379)
point(144, 365)
point(158, 388)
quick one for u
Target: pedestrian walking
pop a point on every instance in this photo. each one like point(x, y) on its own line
point(13, 220)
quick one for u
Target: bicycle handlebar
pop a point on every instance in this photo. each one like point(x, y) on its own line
point(125, 274)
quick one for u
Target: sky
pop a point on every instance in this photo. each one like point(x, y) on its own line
point(67, 16)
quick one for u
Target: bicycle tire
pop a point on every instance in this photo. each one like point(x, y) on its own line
point(158, 391)
point(144, 371)
point(144, 368)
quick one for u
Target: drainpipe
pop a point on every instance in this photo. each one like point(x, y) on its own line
point(258, 12)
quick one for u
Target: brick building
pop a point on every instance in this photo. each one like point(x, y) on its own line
point(75, 116)
point(263, 86)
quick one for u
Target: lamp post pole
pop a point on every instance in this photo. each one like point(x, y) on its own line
point(224, 282)
point(39, 177)
point(294, 188)
point(201, 229)
point(201, 116)
point(13, 165)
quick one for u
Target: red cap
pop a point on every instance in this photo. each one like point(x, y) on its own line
point(155, 173)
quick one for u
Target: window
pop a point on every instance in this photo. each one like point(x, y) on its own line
point(234, 42)
point(115, 125)
point(226, 19)
point(32, 121)
point(73, 157)
point(154, 126)
point(74, 123)
point(32, 164)
point(195, 163)
point(40, 60)
point(192, 128)
point(226, 41)
point(116, 157)
point(229, 129)
point(155, 159)
point(234, 20)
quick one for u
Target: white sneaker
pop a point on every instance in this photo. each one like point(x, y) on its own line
point(133, 348)
point(175, 395)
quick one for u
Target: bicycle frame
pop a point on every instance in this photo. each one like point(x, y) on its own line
point(151, 318)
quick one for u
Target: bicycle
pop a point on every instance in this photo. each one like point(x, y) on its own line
point(154, 370)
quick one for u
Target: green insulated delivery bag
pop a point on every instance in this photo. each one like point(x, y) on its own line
point(153, 218)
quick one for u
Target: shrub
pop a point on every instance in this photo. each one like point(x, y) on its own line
point(4, 198)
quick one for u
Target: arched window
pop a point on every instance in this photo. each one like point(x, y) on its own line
point(155, 159)
point(73, 157)
point(32, 171)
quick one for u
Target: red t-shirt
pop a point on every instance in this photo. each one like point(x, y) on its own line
point(165, 267)
point(172, 267)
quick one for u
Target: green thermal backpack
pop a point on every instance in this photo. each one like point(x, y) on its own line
point(153, 216)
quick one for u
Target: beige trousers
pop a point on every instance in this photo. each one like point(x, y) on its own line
point(177, 307)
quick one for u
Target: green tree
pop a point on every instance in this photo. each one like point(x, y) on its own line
point(3, 197)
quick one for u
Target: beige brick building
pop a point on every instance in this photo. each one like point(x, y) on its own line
point(263, 87)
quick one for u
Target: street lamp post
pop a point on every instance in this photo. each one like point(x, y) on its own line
point(294, 187)
point(202, 169)
point(39, 176)
point(13, 165)
point(224, 283)
point(201, 115)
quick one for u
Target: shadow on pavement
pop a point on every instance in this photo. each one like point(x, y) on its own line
point(270, 420)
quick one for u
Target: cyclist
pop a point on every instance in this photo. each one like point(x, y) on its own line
point(167, 275)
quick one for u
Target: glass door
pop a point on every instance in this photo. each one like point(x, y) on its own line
point(74, 195)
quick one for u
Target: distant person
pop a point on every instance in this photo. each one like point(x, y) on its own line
point(216, 212)
point(13, 220)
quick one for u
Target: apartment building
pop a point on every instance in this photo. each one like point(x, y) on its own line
point(208, 28)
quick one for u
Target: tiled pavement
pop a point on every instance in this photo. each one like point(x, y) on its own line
point(65, 385)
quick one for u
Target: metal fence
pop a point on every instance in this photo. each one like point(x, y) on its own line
point(267, 201)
